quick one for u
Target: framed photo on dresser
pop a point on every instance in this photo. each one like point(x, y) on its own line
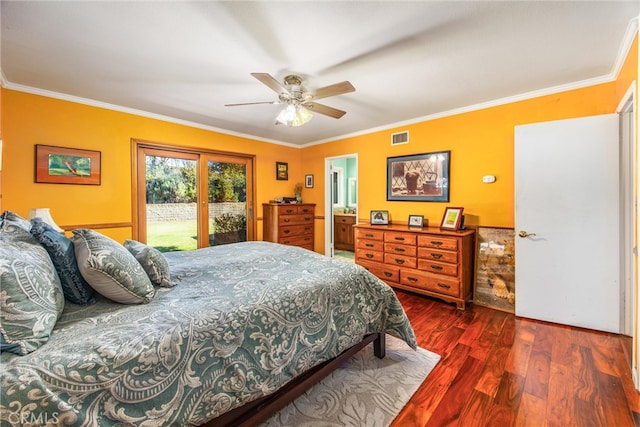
point(452, 219)
point(379, 218)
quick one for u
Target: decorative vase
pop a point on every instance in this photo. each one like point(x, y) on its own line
point(298, 198)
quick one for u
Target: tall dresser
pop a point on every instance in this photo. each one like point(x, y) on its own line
point(427, 261)
point(290, 224)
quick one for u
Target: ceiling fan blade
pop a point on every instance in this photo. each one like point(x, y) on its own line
point(268, 80)
point(324, 109)
point(251, 103)
point(333, 90)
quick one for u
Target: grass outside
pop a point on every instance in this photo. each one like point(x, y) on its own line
point(173, 235)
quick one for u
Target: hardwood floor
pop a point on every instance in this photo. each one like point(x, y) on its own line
point(500, 370)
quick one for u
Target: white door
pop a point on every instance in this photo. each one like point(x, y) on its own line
point(568, 201)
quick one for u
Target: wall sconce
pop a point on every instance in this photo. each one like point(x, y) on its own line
point(45, 215)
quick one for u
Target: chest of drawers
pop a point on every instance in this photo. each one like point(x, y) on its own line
point(427, 261)
point(290, 224)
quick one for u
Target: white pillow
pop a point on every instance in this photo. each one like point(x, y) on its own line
point(110, 269)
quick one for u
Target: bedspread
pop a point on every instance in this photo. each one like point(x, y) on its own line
point(243, 320)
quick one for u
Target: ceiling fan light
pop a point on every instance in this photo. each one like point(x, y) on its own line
point(294, 115)
point(303, 115)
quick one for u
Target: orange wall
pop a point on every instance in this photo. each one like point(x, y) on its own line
point(481, 143)
point(30, 119)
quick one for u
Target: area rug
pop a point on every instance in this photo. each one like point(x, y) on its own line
point(364, 391)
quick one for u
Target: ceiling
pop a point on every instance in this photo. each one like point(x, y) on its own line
point(184, 60)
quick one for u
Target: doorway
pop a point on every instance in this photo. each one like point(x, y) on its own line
point(186, 199)
point(341, 205)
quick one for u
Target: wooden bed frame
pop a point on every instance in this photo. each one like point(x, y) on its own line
point(260, 410)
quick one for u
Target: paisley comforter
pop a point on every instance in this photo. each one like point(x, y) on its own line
point(243, 320)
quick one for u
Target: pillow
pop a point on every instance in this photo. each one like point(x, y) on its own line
point(152, 261)
point(10, 220)
point(31, 299)
point(61, 251)
point(110, 269)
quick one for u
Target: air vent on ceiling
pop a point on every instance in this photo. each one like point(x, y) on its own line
point(400, 138)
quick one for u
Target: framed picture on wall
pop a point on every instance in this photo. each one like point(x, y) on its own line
point(419, 177)
point(282, 171)
point(308, 181)
point(61, 165)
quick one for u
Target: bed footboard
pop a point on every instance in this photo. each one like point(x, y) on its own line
point(260, 410)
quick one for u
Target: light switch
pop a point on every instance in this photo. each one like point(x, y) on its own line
point(488, 179)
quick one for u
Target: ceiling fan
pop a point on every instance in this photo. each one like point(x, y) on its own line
point(300, 102)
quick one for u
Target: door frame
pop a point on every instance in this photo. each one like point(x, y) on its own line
point(139, 223)
point(630, 232)
point(328, 200)
point(628, 164)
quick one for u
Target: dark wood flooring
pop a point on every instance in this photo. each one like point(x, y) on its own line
point(501, 370)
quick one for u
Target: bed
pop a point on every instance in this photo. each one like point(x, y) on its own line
point(243, 322)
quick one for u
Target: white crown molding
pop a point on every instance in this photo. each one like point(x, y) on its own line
point(136, 112)
point(623, 51)
point(631, 32)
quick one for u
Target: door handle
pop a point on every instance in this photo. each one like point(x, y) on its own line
point(525, 234)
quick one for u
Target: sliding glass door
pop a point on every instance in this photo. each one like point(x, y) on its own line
point(227, 199)
point(188, 199)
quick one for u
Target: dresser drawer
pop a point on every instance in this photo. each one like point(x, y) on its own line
point(303, 240)
point(369, 234)
point(295, 219)
point(438, 242)
point(295, 230)
point(394, 248)
point(400, 260)
point(369, 255)
point(404, 238)
point(343, 219)
point(437, 255)
point(439, 284)
point(372, 245)
point(288, 210)
point(305, 209)
point(438, 267)
point(383, 271)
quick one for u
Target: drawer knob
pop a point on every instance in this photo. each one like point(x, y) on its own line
point(287, 220)
point(399, 238)
point(436, 256)
point(369, 255)
point(436, 242)
point(368, 235)
point(436, 267)
point(369, 245)
point(287, 231)
point(412, 279)
point(399, 249)
point(386, 273)
point(442, 285)
point(399, 261)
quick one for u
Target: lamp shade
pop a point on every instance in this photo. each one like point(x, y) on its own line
point(45, 215)
point(294, 115)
